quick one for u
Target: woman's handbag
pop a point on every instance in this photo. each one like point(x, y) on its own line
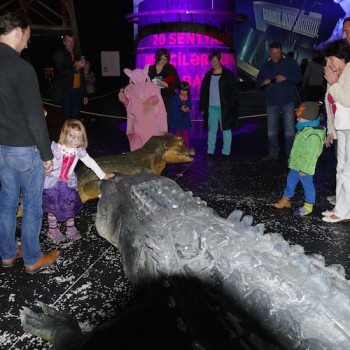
point(342, 117)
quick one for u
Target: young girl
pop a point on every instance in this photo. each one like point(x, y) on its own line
point(180, 107)
point(61, 201)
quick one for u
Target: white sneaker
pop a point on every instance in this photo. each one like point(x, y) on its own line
point(332, 221)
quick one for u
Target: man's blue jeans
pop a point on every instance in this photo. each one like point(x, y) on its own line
point(213, 122)
point(71, 104)
point(21, 170)
point(274, 115)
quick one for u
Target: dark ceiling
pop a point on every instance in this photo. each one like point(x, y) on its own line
point(48, 17)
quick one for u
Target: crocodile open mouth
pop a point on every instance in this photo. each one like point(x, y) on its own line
point(176, 156)
point(186, 155)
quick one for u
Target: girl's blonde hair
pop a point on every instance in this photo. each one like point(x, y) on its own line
point(73, 124)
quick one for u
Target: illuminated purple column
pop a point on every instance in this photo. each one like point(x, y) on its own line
point(190, 30)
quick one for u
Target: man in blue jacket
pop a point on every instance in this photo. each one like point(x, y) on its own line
point(279, 77)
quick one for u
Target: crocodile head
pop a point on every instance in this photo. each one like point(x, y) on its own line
point(175, 150)
point(153, 156)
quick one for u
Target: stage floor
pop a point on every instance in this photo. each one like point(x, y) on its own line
point(88, 279)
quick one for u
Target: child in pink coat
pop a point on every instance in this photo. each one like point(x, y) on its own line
point(146, 114)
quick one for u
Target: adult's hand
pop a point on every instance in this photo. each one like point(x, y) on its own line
point(330, 75)
point(280, 78)
point(121, 96)
point(163, 84)
point(79, 64)
point(48, 165)
point(329, 140)
point(266, 82)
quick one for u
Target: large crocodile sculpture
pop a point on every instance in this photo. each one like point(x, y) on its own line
point(218, 283)
point(157, 152)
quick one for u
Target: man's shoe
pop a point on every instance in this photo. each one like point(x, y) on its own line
point(271, 157)
point(225, 157)
point(11, 262)
point(333, 219)
point(46, 259)
point(210, 156)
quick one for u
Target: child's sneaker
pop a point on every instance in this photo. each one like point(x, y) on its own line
point(56, 235)
point(73, 233)
point(304, 210)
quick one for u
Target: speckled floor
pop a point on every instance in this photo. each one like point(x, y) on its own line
point(88, 280)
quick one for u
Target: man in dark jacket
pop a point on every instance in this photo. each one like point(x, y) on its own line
point(218, 95)
point(279, 77)
point(69, 78)
point(25, 152)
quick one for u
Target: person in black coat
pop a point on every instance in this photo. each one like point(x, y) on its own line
point(218, 95)
point(165, 75)
point(69, 88)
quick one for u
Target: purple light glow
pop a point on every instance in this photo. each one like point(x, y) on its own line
point(190, 30)
point(189, 53)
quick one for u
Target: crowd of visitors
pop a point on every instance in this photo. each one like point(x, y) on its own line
point(45, 175)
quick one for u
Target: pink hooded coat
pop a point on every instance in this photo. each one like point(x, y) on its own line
point(142, 124)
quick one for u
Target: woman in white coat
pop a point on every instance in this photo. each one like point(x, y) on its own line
point(337, 99)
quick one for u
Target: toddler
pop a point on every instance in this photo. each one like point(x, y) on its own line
point(307, 147)
point(61, 201)
point(180, 107)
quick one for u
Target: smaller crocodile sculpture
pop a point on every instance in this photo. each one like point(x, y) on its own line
point(157, 152)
